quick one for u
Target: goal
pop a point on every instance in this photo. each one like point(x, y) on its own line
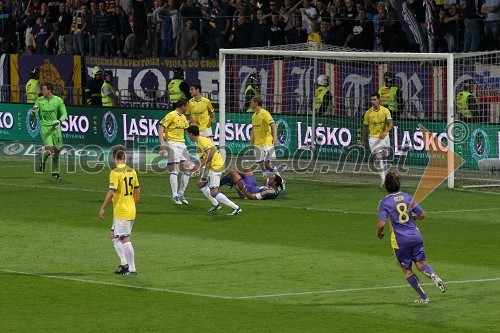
point(428, 127)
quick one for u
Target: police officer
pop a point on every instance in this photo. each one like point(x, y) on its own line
point(108, 92)
point(93, 88)
point(466, 102)
point(33, 87)
point(391, 96)
point(177, 88)
point(324, 99)
point(251, 90)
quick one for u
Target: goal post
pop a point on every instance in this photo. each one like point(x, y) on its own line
point(429, 84)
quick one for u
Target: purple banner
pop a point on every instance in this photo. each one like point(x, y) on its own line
point(143, 82)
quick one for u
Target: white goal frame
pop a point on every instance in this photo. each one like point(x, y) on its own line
point(446, 58)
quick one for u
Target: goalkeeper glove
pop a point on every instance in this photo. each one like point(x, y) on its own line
point(33, 111)
point(56, 123)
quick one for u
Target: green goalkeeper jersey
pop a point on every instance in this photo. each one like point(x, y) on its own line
point(50, 110)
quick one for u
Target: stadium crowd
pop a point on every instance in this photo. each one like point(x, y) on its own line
point(198, 28)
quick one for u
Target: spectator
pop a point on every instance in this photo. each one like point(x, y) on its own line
point(313, 38)
point(472, 22)
point(492, 24)
point(191, 9)
point(323, 13)
point(276, 31)
point(140, 20)
point(242, 34)
point(325, 32)
point(156, 19)
point(42, 36)
point(220, 26)
point(77, 27)
point(260, 30)
point(5, 18)
point(129, 43)
point(309, 15)
point(297, 34)
point(6, 46)
point(187, 42)
point(170, 36)
point(392, 38)
point(287, 14)
point(239, 8)
point(450, 19)
point(105, 31)
point(90, 32)
point(361, 37)
point(110, 6)
point(64, 21)
point(341, 25)
point(124, 30)
point(30, 21)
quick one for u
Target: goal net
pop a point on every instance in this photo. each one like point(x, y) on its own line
point(431, 121)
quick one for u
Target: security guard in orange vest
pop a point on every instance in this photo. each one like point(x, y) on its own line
point(177, 88)
point(323, 97)
point(466, 102)
point(33, 87)
point(391, 96)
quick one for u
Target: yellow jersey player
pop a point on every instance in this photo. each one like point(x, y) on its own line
point(172, 142)
point(263, 138)
point(213, 164)
point(378, 122)
point(200, 111)
point(124, 192)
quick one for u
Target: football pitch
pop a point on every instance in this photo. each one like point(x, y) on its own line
point(308, 261)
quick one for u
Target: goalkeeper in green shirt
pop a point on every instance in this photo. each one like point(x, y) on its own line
point(52, 112)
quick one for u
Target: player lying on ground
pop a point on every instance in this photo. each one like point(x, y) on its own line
point(246, 185)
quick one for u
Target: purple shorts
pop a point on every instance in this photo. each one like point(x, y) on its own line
point(410, 254)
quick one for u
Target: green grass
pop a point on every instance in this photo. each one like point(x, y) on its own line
point(309, 261)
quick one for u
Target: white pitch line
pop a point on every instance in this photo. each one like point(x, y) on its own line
point(268, 204)
point(111, 284)
point(235, 297)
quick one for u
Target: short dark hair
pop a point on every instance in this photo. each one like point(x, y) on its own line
point(49, 86)
point(196, 86)
point(375, 94)
point(278, 180)
point(181, 102)
point(392, 182)
point(193, 129)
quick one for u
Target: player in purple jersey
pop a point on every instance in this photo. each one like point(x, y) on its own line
point(400, 209)
point(246, 185)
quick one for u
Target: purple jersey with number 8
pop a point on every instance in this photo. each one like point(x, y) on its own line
point(399, 209)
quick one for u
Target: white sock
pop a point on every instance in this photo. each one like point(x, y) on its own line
point(382, 170)
point(129, 254)
point(184, 183)
point(275, 171)
point(119, 250)
point(174, 184)
point(266, 174)
point(206, 191)
point(224, 200)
